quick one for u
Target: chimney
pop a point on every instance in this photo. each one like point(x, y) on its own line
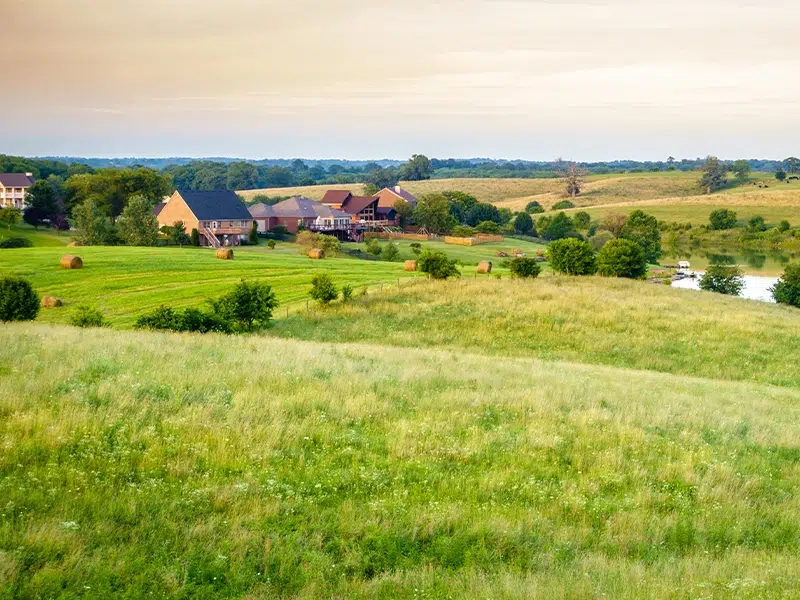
point(28, 174)
point(397, 188)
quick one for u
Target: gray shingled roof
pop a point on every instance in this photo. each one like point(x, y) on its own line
point(261, 211)
point(306, 208)
point(221, 205)
point(15, 180)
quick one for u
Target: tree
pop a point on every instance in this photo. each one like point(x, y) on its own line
point(178, 234)
point(722, 218)
point(461, 204)
point(91, 225)
point(524, 268)
point(433, 213)
point(573, 176)
point(390, 252)
point(138, 226)
point(562, 205)
point(253, 236)
point(787, 290)
point(784, 226)
point(86, 316)
point(534, 208)
point(437, 264)
point(9, 215)
point(481, 212)
point(742, 169)
point(248, 307)
point(715, 175)
point(322, 288)
point(194, 238)
point(379, 178)
point(780, 174)
point(523, 223)
point(572, 257)
point(112, 188)
point(242, 176)
point(723, 279)
point(419, 167)
point(582, 220)
point(643, 229)
point(42, 203)
point(373, 246)
point(600, 239)
point(488, 227)
point(792, 164)
point(18, 300)
point(622, 258)
point(557, 228)
point(614, 223)
point(405, 212)
point(757, 223)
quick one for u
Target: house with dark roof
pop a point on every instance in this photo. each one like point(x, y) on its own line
point(264, 216)
point(363, 209)
point(220, 217)
point(387, 197)
point(14, 189)
point(300, 212)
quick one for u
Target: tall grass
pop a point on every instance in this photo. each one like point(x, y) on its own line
point(180, 466)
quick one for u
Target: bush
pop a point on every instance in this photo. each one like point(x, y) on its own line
point(463, 231)
point(582, 220)
point(534, 208)
point(191, 319)
point(347, 293)
point(600, 239)
point(787, 290)
point(572, 257)
point(16, 242)
point(416, 248)
point(248, 307)
point(322, 288)
point(437, 264)
point(488, 227)
point(390, 252)
point(253, 237)
point(784, 226)
point(194, 238)
point(622, 258)
point(722, 219)
point(525, 268)
point(563, 205)
point(757, 223)
point(644, 230)
point(723, 279)
point(373, 246)
point(523, 223)
point(271, 244)
point(86, 316)
point(18, 300)
point(556, 228)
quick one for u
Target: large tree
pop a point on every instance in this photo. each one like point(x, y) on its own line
point(742, 169)
point(91, 224)
point(573, 176)
point(138, 225)
point(433, 213)
point(378, 179)
point(242, 176)
point(715, 175)
point(42, 202)
point(417, 168)
point(644, 230)
point(111, 188)
point(792, 164)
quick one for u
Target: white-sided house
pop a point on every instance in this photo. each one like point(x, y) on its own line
point(14, 189)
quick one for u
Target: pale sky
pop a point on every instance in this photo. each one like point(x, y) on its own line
point(534, 79)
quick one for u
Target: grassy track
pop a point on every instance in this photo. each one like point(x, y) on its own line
point(147, 465)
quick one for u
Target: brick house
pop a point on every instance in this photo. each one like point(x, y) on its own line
point(14, 189)
point(264, 216)
point(362, 209)
point(220, 217)
point(312, 215)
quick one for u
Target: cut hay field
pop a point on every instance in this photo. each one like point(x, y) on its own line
point(140, 464)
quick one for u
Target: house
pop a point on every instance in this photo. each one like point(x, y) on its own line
point(264, 216)
point(315, 216)
point(221, 217)
point(14, 189)
point(387, 197)
point(362, 209)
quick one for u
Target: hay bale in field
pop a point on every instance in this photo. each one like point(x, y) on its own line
point(51, 302)
point(410, 265)
point(68, 261)
point(316, 253)
point(225, 254)
point(75, 244)
point(516, 252)
point(485, 267)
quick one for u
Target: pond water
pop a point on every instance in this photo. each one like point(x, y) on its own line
point(752, 262)
point(755, 287)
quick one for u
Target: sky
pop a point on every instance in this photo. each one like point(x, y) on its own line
point(534, 79)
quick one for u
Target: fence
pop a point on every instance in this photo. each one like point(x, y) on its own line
point(386, 235)
point(472, 241)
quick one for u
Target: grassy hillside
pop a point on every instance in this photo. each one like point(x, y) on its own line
point(140, 464)
point(589, 320)
point(40, 237)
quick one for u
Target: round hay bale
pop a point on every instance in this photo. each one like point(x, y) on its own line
point(51, 302)
point(516, 251)
point(75, 244)
point(410, 265)
point(316, 253)
point(485, 267)
point(68, 261)
point(225, 254)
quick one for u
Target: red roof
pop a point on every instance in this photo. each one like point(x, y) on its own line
point(358, 203)
point(338, 197)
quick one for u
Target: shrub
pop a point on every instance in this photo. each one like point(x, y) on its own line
point(723, 279)
point(307, 239)
point(600, 239)
point(582, 220)
point(271, 244)
point(86, 316)
point(191, 319)
point(622, 258)
point(390, 252)
point(488, 227)
point(328, 244)
point(525, 268)
point(16, 242)
point(784, 226)
point(194, 238)
point(248, 307)
point(644, 230)
point(347, 293)
point(18, 300)
point(523, 223)
point(556, 228)
point(437, 264)
point(253, 237)
point(787, 290)
point(373, 246)
point(534, 208)
point(416, 248)
point(563, 205)
point(463, 231)
point(322, 288)
point(722, 219)
point(757, 223)
point(572, 257)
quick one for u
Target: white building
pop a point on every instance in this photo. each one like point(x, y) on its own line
point(14, 189)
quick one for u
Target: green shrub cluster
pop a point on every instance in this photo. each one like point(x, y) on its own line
point(563, 205)
point(723, 279)
point(572, 257)
point(787, 290)
point(18, 300)
point(16, 242)
point(323, 289)
point(622, 258)
point(524, 268)
point(437, 264)
point(86, 316)
point(534, 208)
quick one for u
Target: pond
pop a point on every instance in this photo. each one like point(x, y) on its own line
point(755, 287)
point(752, 262)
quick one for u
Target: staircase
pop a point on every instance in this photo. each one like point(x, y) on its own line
point(212, 239)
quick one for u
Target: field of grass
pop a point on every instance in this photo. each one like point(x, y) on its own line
point(466, 255)
point(40, 237)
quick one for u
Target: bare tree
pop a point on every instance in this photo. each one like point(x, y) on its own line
point(573, 176)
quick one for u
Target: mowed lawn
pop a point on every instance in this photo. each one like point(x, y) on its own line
point(140, 464)
point(466, 255)
point(124, 282)
point(38, 237)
